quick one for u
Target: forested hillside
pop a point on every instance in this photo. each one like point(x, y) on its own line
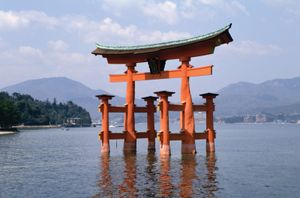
point(23, 109)
point(65, 89)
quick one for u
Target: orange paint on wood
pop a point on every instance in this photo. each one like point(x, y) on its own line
point(130, 135)
point(165, 142)
point(210, 132)
point(116, 136)
point(142, 135)
point(200, 136)
point(116, 109)
point(151, 133)
point(140, 109)
point(199, 108)
point(176, 107)
point(105, 122)
point(187, 117)
point(193, 50)
point(176, 136)
point(198, 71)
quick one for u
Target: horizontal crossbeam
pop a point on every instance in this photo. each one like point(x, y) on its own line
point(117, 109)
point(199, 108)
point(172, 136)
point(176, 107)
point(120, 109)
point(199, 136)
point(172, 107)
point(198, 71)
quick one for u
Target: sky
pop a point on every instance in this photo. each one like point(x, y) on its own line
point(55, 38)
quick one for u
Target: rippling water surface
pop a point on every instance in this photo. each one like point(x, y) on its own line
point(250, 161)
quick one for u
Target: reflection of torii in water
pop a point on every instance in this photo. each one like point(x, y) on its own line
point(156, 178)
point(156, 55)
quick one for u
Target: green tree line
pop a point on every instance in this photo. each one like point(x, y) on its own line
point(23, 109)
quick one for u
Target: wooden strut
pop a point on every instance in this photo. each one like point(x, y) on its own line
point(198, 71)
point(156, 55)
point(150, 108)
point(187, 132)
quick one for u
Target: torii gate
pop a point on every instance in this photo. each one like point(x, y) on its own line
point(156, 55)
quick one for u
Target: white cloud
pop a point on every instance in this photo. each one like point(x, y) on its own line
point(29, 51)
point(291, 7)
point(24, 56)
point(166, 11)
point(158, 36)
point(2, 43)
point(27, 62)
point(118, 4)
point(58, 45)
point(109, 26)
point(57, 56)
point(188, 3)
point(284, 3)
point(232, 7)
point(211, 2)
point(109, 31)
point(105, 30)
point(92, 31)
point(12, 19)
point(248, 47)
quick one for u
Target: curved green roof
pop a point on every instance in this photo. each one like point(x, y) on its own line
point(106, 49)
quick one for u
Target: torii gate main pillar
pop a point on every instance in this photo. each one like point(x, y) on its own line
point(130, 133)
point(187, 122)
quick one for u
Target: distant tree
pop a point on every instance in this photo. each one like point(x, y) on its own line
point(20, 108)
point(234, 119)
point(9, 115)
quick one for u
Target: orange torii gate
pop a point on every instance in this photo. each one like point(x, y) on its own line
point(156, 55)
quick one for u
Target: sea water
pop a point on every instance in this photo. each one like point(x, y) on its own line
point(251, 160)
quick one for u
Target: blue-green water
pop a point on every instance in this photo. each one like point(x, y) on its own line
point(250, 161)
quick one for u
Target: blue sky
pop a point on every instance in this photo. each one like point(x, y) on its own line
point(54, 38)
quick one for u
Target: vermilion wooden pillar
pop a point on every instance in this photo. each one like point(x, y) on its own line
point(130, 134)
point(187, 116)
point(164, 107)
point(210, 139)
point(150, 121)
point(104, 134)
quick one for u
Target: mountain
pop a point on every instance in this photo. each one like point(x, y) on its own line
point(273, 96)
point(63, 89)
point(277, 95)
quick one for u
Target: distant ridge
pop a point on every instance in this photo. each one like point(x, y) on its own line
point(272, 96)
point(278, 95)
point(62, 89)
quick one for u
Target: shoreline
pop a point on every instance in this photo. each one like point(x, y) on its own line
point(24, 127)
point(7, 132)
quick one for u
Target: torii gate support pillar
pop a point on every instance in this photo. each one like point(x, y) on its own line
point(130, 133)
point(151, 133)
point(187, 122)
point(210, 131)
point(104, 133)
point(164, 119)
